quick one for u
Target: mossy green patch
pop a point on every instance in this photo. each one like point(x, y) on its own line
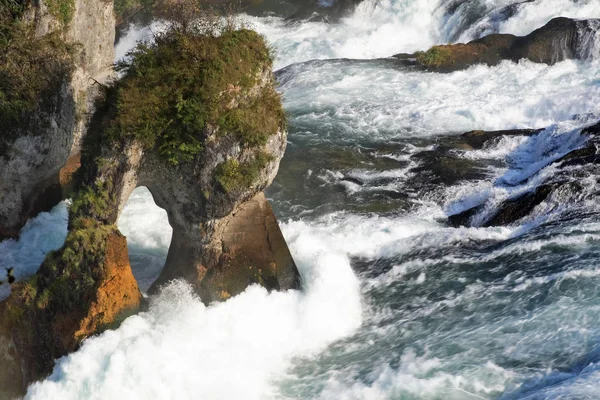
point(32, 70)
point(435, 57)
point(233, 175)
point(187, 80)
point(62, 10)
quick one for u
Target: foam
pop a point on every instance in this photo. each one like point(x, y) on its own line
point(375, 101)
point(148, 233)
point(182, 349)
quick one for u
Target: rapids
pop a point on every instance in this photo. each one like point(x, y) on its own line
point(396, 304)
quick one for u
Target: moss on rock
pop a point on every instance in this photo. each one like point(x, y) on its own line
point(62, 10)
point(32, 71)
point(233, 175)
point(192, 79)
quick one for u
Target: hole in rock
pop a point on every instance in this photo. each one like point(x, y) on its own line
point(148, 232)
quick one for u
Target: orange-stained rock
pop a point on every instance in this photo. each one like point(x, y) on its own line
point(38, 326)
point(118, 293)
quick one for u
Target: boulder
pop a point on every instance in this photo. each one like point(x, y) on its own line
point(560, 39)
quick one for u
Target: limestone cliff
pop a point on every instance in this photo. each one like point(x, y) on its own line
point(60, 50)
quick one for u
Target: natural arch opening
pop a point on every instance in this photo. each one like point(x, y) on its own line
point(148, 233)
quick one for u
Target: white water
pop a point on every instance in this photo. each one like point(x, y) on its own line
point(241, 349)
point(382, 28)
point(42, 234)
point(181, 349)
point(390, 103)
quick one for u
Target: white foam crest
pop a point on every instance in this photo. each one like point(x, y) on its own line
point(535, 14)
point(419, 376)
point(498, 150)
point(42, 234)
point(375, 29)
point(144, 223)
point(130, 39)
point(148, 233)
point(376, 236)
point(530, 16)
point(372, 100)
point(181, 349)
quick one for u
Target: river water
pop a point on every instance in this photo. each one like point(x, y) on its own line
point(396, 303)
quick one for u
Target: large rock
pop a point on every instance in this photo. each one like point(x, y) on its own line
point(33, 154)
point(219, 147)
point(560, 185)
point(80, 291)
point(560, 39)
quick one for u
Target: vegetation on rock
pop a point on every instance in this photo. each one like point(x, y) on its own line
point(62, 10)
point(192, 78)
point(233, 175)
point(434, 57)
point(32, 71)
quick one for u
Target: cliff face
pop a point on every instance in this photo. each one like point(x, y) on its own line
point(37, 145)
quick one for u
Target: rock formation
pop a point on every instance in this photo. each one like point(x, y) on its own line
point(196, 119)
point(560, 39)
point(50, 70)
point(513, 209)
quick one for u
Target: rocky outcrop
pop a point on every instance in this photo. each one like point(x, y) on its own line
point(196, 119)
point(34, 149)
point(560, 39)
point(561, 184)
point(78, 292)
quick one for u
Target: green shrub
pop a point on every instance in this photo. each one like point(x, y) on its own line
point(434, 57)
point(233, 175)
point(191, 78)
point(32, 70)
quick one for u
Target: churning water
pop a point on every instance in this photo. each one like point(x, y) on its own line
point(396, 304)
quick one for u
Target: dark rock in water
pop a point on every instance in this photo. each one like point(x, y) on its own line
point(593, 130)
point(477, 139)
point(515, 209)
point(586, 155)
point(556, 41)
point(560, 39)
point(464, 218)
point(441, 166)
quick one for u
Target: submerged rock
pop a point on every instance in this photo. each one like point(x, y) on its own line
point(560, 39)
point(560, 185)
